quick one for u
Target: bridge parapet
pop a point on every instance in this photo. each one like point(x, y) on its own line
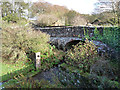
point(70, 31)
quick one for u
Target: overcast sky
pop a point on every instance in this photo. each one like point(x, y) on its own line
point(81, 6)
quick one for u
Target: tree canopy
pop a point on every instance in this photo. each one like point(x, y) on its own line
point(13, 11)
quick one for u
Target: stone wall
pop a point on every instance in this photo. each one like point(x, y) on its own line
point(70, 31)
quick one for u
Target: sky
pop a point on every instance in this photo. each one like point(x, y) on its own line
point(81, 6)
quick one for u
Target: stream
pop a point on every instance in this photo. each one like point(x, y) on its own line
point(1, 85)
point(57, 74)
point(66, 77)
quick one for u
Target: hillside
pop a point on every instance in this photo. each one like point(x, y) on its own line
point(55, 15)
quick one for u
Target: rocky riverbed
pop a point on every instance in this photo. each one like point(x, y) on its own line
point(65, 77)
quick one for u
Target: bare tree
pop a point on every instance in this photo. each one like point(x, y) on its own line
point(109, 6)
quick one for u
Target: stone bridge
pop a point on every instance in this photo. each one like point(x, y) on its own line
point(64, 42)
point(70, 31)
point(64, 37)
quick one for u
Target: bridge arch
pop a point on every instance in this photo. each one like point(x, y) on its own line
point(70, 44)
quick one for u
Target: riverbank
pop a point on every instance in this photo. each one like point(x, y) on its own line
point(64, 75)
point(63, 69)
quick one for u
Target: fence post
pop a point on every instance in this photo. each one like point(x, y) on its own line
point(38, 62)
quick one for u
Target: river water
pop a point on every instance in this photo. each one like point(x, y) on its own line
point(1, 85)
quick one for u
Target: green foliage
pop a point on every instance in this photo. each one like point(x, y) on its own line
point(95, 80)
point(11, 17)
point(10, 13)
point(102, 82)
point(113, 21)
point(15, 70)
point(8, 68)
point(96, 32)
point(51, 58)
point(102, 67)
point(17, 41)
point(24, 82)
point(21, 81)
point(86, 34)
point(82, 56)
point(110, 36)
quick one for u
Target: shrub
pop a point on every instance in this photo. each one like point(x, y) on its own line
point(17, 41)
point(11, 17)
point(110, 36)
point(82, 56)
point(102, 67)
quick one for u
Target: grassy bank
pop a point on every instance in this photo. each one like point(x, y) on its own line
point(20, 43)
point(8, 68)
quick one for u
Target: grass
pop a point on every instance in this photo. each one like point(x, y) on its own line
point(9, 71)
point(9, 78)
point(8, 68)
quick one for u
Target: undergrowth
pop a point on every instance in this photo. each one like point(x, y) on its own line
point(90, 65)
